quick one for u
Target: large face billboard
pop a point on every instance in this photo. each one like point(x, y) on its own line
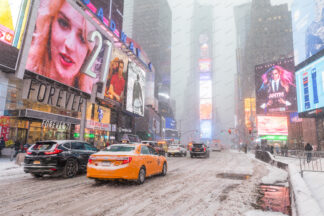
point(116, 83)
point(308, 28)
point(272, 125)
point(135, 89)
point(310, 86)
point(275, 87)
point(13, 19)
point(63, 45)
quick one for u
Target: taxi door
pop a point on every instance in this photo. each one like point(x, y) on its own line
point(145, 155)
point(156, 161)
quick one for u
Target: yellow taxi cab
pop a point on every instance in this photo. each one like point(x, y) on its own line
point(126, 161)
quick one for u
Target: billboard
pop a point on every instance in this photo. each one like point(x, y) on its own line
point(135, 89)
point(206, 108)
point(272, 125)
point(170, 123)
point(204, 65)
point(115, 86)
point(308, 28)
point(64, 46)
point(249, 109)
point(310, 86)
point(205, 129)
point(13, 19)
point(205, 88)
point(275, 87)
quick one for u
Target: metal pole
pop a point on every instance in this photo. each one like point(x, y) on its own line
point(83, 119)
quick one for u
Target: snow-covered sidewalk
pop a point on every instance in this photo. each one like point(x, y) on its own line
point(309, 189)
point(9, 169)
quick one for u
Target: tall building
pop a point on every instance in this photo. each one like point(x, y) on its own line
point(149, 23)
point(264, 36)
point(198, 121)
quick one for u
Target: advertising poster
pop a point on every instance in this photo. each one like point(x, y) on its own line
point(310, 86)
point(13, 19)
point(275, 87)
point(60, 46)
point(272, 125)
point(116, 82)
point(135, 89)
point(206, 108)
point(205, 129)
point(308, 28)
point(249, 109)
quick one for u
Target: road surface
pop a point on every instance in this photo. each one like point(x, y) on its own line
point(192, 186)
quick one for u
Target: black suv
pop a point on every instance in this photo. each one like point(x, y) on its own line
point(199, 149)
point(58, 157)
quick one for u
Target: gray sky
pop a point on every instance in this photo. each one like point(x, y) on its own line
point(224, 59)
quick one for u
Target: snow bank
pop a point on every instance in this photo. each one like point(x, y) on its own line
point(8, 169)
point(274, 176)
point(315, 183)
point(305, 203)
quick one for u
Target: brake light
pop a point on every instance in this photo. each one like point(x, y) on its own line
point(90, 160)
point(29, 152)
point(126, 161)
point(190, 148)
point(56, 151)
point(204, 148)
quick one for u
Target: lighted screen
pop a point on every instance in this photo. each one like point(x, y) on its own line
point(272, 125)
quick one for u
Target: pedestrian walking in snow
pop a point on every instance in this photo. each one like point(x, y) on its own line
point(2, 144)
point(308, 149)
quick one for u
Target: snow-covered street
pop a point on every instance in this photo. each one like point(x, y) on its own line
point(191, 187)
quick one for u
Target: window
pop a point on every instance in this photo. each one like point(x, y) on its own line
point(89, 147)
point(145, 150)
point(152, 151)
point(65, 147)
point(120, 148)
point(77, 146)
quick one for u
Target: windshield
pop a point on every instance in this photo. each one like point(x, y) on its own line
point(120, 148)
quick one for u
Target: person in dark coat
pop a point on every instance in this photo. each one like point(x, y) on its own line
point(2, 144)
point(308, 149)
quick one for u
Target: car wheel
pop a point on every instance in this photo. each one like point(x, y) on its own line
point(141, 176)
point(99, 181)
point(71, 168)
point(191, 156)
point(164, 169)
point(37, 175)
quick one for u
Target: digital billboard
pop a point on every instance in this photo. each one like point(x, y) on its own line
point(205, 129)
point(13, 19)
point(135, 89)
point(64, 44)
point(206, 108)
point(115, 86)
point(249, 109)
point(170, 123)
point(308, 28)
point(204, 65)
point(275, 87)
point(205, 89)
point(310, 86)
point(272, 125)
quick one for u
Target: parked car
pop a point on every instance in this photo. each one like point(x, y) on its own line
point(176, 150)
point(126, 161)
point(158, 148)
point(199, 149)
point(58, 157)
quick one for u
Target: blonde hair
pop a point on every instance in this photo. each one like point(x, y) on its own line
point(39, 56)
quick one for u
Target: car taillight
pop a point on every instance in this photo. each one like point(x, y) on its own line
point(126, 161)
point(55, 151)
point(204, 148)
point(190, 148)
point(90, 160)
point(29, 152)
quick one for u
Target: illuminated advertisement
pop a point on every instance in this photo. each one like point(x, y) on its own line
point(170, 123)
point(116, 83)
point(98, 117)
point(205, 108)
point(205, 89)
point(13, 19)
point(294, 117)
point(275, 87)
point(205, 129)
point(272, 125)
point(63, 48)
point(249, 109)
point(204, 65)
point(135, 87)
point(310, 86)
point(308, 28)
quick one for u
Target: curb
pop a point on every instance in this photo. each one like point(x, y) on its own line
point(299, 193)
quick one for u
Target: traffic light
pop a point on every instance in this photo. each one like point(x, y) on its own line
point(229, 131)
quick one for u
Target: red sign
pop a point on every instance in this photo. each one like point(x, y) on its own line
point(272, 125)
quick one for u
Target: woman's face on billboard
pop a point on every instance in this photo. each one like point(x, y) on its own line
point(68, 44)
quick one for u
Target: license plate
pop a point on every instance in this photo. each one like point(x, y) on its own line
point(196, 149)
point(36, 162)
point(105, 163)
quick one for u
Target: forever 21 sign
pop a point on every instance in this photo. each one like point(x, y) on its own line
point(52, 95)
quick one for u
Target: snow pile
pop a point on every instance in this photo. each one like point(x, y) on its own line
point(315, 183)
point(263, 213)
point(8, 169)
point(274, 176)
point(305, 203)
